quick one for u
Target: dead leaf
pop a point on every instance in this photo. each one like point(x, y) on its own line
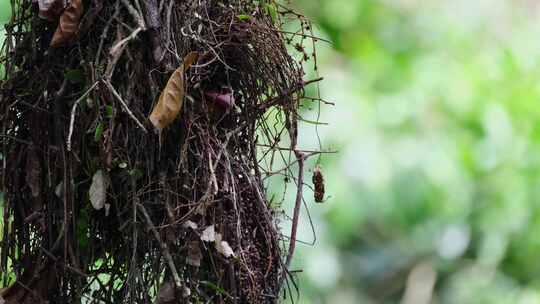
point(190, 224)
point(166, 294)
point(2, 301)
point(170, 101)
point(186, 292)
point(194, 254)
point(69, 24)
point(59, 190)
point(50, 9)
point(209, 234)
point(33, 172)
point(98, 189)
point(223, 247)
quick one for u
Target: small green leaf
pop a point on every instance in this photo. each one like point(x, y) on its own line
point(98, 132)
point(109, 110)
point(243, 17)
point(216, 288)
point(136, 174)
point(75, 75)
point(272, 12)
point(82, 229)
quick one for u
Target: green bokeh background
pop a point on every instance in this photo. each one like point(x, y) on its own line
point(434, 196)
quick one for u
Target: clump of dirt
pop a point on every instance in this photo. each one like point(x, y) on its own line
point(102, 207)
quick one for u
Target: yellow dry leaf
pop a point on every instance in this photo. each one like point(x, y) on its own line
point(68, 25)
point(171, 98)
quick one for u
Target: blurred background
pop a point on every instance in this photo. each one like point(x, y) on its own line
point(434, 196)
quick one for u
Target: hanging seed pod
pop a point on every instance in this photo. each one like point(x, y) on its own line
point(318, 182)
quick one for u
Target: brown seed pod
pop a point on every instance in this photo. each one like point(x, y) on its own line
point(171, 98)
point(68, 25)
point(318, 182)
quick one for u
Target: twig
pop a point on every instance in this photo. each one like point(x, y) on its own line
point(120, 44)
point(117, 50)
point(164, 248)
point(300, 157)
point(303, 151)
point(119, 98)
point(135, 14)
point(105, 31)
point(73, 111)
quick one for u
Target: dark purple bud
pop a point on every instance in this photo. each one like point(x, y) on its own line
point(223, 100)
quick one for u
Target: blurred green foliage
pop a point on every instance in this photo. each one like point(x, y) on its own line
point(5, 11)
point(436, 190)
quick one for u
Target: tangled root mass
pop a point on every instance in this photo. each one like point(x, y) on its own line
point(183, 215)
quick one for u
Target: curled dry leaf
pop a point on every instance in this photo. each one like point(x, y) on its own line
point(98, 189)
point(209, 234)
point(170, 101)
point(69, 24)
point(190, 224)
point(318, 182)
point(223, 247)
point(50, 9)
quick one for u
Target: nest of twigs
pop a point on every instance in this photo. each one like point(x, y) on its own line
point(99, 207)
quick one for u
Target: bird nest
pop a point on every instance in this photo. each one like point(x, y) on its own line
point(135, 144)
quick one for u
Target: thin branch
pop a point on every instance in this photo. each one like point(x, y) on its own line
point(300, 157)
point(73, 111)
point(119, 98)
point(164, 248)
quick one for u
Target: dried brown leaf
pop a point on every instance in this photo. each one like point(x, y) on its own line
point(69, 24)
point(171, 98)
point(166, 294)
